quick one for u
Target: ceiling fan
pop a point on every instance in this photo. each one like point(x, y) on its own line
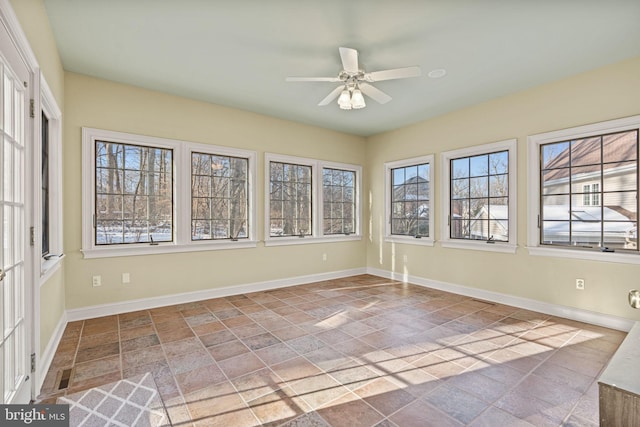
point(354, 82)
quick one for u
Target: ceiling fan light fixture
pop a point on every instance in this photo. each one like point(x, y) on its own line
point(344, 101)
point(357, 100)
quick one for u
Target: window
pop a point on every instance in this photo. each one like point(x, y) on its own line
point(146, 195)
point(310, 200)
point(219, 196)
point(45, 184)
point(134, 194)
point(479, 189)
point(290, 200)
point(339, 196)
point(591, 196)
point(48, 182)
point(586, 189)
point(409, 201)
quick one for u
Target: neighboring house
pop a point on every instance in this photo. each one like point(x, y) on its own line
point(490, 223)
point(588, 191)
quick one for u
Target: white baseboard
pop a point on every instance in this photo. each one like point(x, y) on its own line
point(592, 317)
point(155, 302)
point(44, 361)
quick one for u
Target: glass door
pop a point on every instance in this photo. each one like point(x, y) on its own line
point(15, 320)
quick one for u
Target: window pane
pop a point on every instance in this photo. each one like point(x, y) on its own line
point(410, 217)
point(555, 232)
point(555, 181)
point(555, 155)
point(499, 186)
point(620, 235)
point(459, 229)
point(556, 208)
point(499, 163)
point(620, 176)
point(460, 189)
point(479, 165)
point(460, 168)
point(219, 196)
point(470, 197)
point(586, 151)
point(339, 218)
point(619, 147)
point(291, 217)
point(479, 187)
point(134, 183)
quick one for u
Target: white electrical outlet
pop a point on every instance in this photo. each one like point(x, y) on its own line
point(580, 284)
point(126, 278)
point(324, 257)
point(96, 281)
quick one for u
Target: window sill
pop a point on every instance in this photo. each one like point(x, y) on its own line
point(284, 241)
point(584, 254)
point(48, 267)
point(501, 247)
point(166, 248)
point(408, 240)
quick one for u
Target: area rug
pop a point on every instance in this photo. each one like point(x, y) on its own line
point(127, 403)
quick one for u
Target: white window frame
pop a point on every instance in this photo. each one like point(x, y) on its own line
point(181, 196)
point(410, 240)
point(510, 145)
point(49, 264)
point(533, 186)
point(317, 233)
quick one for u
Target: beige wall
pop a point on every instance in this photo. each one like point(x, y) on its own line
point(106, 105)
point(607, 93)
point(35, 23)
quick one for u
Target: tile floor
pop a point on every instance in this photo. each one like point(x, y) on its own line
point(359, 351)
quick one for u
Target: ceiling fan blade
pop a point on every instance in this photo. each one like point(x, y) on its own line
point(333, 95)
point(375, 94)
point(312, 79)
point(396, 73)
point(349, 59)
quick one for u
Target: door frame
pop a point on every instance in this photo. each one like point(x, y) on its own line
point(19, 40)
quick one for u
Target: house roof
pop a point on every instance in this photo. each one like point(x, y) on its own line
point(586, 155)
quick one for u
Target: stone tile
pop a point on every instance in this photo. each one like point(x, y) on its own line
point(217, 338)
point(350, 411)
point(171, 335)
point(276, 354)
point(257, 384)
point(317, 390)
point(219, 405)
point(448, 400)
point(139, 342)
point(385, 396)
point(188, 361)
point(199, 378)
point(241, 365)
point(142, 356)
point(289, 333)
point(257, 342)
point(88, 341)
point(97, 352)
point(183, 346)
point(229, 349)
point(276, 408)
point(96, 368)
point(139, 331)
point(310, 419)
point(295, 369)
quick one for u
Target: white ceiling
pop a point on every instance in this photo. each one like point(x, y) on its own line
point(237, 53)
